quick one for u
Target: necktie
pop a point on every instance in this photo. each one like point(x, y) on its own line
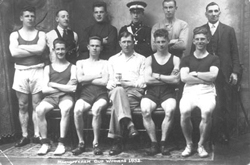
point(212, 29)
point(65, 33)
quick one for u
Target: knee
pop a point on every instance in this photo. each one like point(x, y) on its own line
point(23, 107)
point(206, 117)
point(78, 111)
point(185, 114)
point(146, 113)
point(40, 111)
point(65, 111)
point(170, 113)
point(96, 112)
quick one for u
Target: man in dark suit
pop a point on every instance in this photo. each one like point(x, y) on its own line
point(141, 32)
point(223, 43)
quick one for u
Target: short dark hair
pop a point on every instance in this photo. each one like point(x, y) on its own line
point(161, 33)
point(175, 3)
point(125, 34)
point(58, 11)
point(99, 4)
point(58, 41)
point(202, 30)
point(212, 4)
point(95, 38)
point(31, 9)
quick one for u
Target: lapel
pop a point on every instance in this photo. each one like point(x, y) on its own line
point(220, 30)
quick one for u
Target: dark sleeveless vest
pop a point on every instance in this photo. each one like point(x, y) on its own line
point(25, 60)
point(60, 77)
point(213, 44)
point(165, 69)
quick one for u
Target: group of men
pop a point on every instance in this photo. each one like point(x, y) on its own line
point(139, 67)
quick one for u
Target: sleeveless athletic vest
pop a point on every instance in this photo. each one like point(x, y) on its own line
point(165, 69)
point(60, 77)
point(25, 60)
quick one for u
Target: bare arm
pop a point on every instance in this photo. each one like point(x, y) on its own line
point(14, 47)
point(70, 86)
point(103, 80)
point(37, 48)
point(46, 88)
point(188, 78)
point(150, 78)
point(209, 76)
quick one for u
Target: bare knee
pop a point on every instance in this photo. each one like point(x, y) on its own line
point(23, 107)
point(40, 110)
point(65, 111)
point(146, 113)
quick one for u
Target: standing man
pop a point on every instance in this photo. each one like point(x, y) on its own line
point(101, 28)
point(141, 32)
point(198, 71)
point(59, 81)
point(26, 47)
point(126, 83)
point(223, 44)
point(161, 76)
point(177, 29)
point(92, 74)
point(63, 31)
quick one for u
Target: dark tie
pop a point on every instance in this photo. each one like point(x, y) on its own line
point(65, 34)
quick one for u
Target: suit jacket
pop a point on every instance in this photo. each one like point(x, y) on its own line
point(227, 50)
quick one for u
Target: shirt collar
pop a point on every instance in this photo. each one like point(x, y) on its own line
point(60, 29)
point(122, 54)
point(216, 24)
point(166, 22)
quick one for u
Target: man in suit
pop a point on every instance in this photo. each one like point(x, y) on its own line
point(63, 31)
point(140, 31)
point(223, 43)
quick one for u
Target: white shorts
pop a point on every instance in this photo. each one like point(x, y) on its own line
point(28, 81)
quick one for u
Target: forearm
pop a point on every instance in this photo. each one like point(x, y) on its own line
point(170, 79)
point(206, 76)
point(88, 78)
point(153, 80)
point(99, 81)
point(49, 90)
point(64, 88)
point(34, 49)
point(19, 53)
point(192, 80)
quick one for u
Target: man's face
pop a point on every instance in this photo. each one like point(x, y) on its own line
point(213, 13)
point(63, 19)
point(161, 43)
point(169, 9)
point(28, 18)
point(200, 41)
point(99, 14)
point(60, 50)
point(136, 15)
point(94, 47)
point(127, 44)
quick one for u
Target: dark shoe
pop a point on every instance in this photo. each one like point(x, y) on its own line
point(97, 150)
point(36, 140)
point(116, 148)
point(153, 150)
point(23, 142)
point(80, 149)
point(132, 132)
point(164, 149)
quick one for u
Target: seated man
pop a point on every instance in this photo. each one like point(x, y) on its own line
point(59, 83)
point(198, 71)
point(92, 74)
point(161, 76)
point(126, 83)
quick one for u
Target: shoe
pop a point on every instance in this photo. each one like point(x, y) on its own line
point(202, 152)
point(188, 150)
point(153, 150)
point(36, 140)
point(132, 132)
point(80, 149)
point(116, 148)
point(23, 142)
point(60, 150)
point(164, 149)
point(44, 149)
point(97, 150)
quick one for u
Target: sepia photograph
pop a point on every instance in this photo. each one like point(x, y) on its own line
point(120, 82)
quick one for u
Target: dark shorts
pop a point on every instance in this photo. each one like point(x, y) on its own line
point(160, 93)
point(91, 93)
point(56, 98)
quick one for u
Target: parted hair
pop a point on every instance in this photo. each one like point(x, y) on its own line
point(202, 30)
point(58, 41)
point(161, 33)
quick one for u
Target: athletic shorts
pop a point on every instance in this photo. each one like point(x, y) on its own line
point(160, 93)
point(55, 99)
point(91, 93)
point(28, 81)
